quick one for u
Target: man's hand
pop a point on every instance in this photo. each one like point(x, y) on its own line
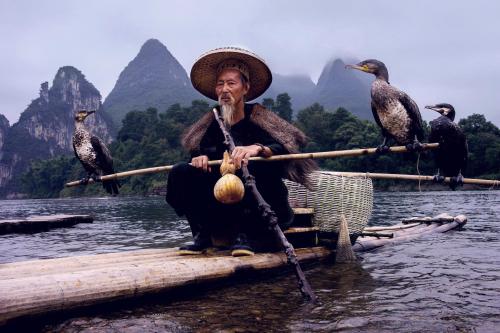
point(241, 154)
point(201, 162)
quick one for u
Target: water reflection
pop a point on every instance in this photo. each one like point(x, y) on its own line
point(437, 283)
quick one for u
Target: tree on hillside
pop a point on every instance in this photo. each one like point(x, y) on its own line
point(483, 139)
point(268, 103)
point(317, 123)
point(283, 106)
point(152, 138)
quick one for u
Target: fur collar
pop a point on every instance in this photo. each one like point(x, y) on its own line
point(282, 131)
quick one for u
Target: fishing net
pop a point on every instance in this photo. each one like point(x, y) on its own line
point(332, 196)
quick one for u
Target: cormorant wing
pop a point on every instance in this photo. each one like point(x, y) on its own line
point(433, 135)
point(465, 147)
point(87, 167)
point(377, 119)
point(74, 151)
point(414, 114)
point(103, 156)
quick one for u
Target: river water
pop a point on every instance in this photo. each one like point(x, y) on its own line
point(437, 283)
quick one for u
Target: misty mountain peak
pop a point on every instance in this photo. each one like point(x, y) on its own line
point(152, 47)
point(46, 127)
point(50, 117)
point(4, 122)
point(340, 87)
point(332, 71)
point(155, 59)
point(154, 78)
point(69, 86)
point(4, 126)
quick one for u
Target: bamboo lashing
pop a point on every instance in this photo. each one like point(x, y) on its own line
point(287, 157)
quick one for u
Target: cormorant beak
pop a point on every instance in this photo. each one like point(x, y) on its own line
point(89, 113)
point(363, 68)
point(435, 108)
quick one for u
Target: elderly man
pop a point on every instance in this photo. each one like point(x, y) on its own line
point(232, 76)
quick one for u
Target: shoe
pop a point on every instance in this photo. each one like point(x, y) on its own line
point(241, 247)
point(200, 244)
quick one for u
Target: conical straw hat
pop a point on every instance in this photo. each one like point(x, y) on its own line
point(205, 70)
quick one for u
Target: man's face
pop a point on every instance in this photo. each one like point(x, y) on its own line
point(230, 89)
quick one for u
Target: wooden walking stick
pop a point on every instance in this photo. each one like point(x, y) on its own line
point(269, 216)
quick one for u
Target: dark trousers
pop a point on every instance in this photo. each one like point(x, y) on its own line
point(190, 193)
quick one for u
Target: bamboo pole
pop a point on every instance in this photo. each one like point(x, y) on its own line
point(490, 182)
point(287, 157)
point(369, 243)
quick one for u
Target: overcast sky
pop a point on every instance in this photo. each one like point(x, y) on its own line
point(436, 51)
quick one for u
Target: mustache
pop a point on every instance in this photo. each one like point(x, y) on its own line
point(225, 96)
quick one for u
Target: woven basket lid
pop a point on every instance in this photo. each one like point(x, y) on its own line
point(204, 71)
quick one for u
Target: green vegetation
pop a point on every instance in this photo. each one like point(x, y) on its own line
point(483, 139)
point(45, 179)
point(151, 138)
point(282, 107)
point(147, 138)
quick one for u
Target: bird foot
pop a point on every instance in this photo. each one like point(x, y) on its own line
point(97, 179)
point(84, 181)
point(438, 178)
point(415, 147)
point(456, 181)
point(382, 149)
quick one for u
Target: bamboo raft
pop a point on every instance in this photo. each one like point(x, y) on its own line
point(33, 224)
point(39, 286)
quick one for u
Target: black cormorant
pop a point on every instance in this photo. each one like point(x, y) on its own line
point(451, 156)
point(394, 111)
point(93, 154)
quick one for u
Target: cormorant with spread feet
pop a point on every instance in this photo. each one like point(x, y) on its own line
point(394, 111)
point(451, 156)
point(93, 154)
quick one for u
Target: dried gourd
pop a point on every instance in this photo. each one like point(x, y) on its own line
point(229, 188)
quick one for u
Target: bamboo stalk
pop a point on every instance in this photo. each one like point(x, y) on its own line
point(490, 182)
point(390, 228)
point(287, 157)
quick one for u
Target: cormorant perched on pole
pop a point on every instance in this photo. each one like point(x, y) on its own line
point(93, 154)
point(451, 156)
point(394, 111)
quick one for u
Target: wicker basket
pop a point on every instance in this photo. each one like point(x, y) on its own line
point(332, 196)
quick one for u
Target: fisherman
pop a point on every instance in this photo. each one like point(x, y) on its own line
point(233, 76)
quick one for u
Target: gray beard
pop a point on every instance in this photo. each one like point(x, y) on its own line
point(227, 114)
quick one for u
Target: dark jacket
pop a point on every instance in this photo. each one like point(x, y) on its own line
point(205, 138)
